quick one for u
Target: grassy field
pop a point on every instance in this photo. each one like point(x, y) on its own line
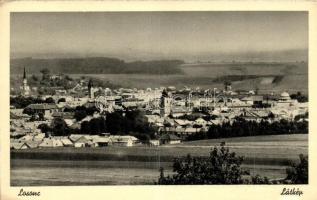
point(265, 155)
point(273, 140)
point(276, 149)
point(30, 172)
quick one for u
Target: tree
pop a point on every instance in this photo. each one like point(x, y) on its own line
point(68, 78)
point(260, 180)
point(28, 111)
point(115, 123)
point(59, 127)
point(299, 97)
point(95, 127)
point(61, 100)
point(221, 167)
point(298, 173)
point(45, 129)
point(45, 74)
point(49, 100)
point(34, 78)
point(80, 114)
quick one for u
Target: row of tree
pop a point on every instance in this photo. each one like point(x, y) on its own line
point(299, 97)
point(241, 127)
point(96, 65)
point(22, 102)
point(132, 123)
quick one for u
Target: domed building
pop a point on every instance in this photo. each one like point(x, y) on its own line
point(284, 97)
point(285, 100)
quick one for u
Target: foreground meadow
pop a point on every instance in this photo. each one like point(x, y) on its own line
point(265, 155)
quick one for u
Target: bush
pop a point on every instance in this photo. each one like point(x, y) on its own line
point(299, 97)
point(260, 180)
point(298, 173)
point(221, 167)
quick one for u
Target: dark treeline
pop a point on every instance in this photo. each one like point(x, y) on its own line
point(96, 65)
point(232, 78)
point(242, 127)
point(22, 102)
point(132, 123)
point(80, 112)
point(299, 97)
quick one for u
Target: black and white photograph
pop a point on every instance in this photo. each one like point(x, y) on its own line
point(159, 98)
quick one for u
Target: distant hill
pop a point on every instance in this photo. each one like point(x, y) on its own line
point(264, 76)
point(95, 65)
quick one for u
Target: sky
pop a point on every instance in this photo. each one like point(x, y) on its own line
point(148, 35)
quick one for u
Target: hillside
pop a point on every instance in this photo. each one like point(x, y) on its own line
point(264, 76)
point(95, 65)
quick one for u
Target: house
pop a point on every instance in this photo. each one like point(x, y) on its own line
point(285, 101)
point(100, 141)
point(182, 123)
point(26, 138)
point(33, 144)
point(130, 105)
point(80, 141)
point(254, 115)
point(67, 142)
point(68, 117)
point(201, 122)
point(215, 122)
point(168, 122)
point(253, 100)
point(75, 125)
point(154, 142)
point(169, 139)
point(190, 131)
point(64, 115)
point(124, 140)
point(75, 137)
point(180, 131)
point(39, 137)
point(179, 111)
point(18, 114)
point(18, 145)
point(283, 114)
point(152, 119)
point(50, 142)
point(43, 110)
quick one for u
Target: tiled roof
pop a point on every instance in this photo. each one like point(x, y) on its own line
point(42, 106)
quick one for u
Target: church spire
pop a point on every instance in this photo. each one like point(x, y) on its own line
point(90, 84)
point(25, 87)
point(24, 74)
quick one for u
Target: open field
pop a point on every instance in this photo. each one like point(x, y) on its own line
point(265, 155)
point(30, 172)
point(273, 149)
point(296, 140)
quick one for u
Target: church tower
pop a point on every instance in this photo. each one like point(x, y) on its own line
point(90, 90)
point(165, 104)
point(25, 88)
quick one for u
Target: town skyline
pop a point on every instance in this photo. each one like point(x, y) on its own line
point(148, 98)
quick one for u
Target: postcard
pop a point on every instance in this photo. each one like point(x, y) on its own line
point(158, 99)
